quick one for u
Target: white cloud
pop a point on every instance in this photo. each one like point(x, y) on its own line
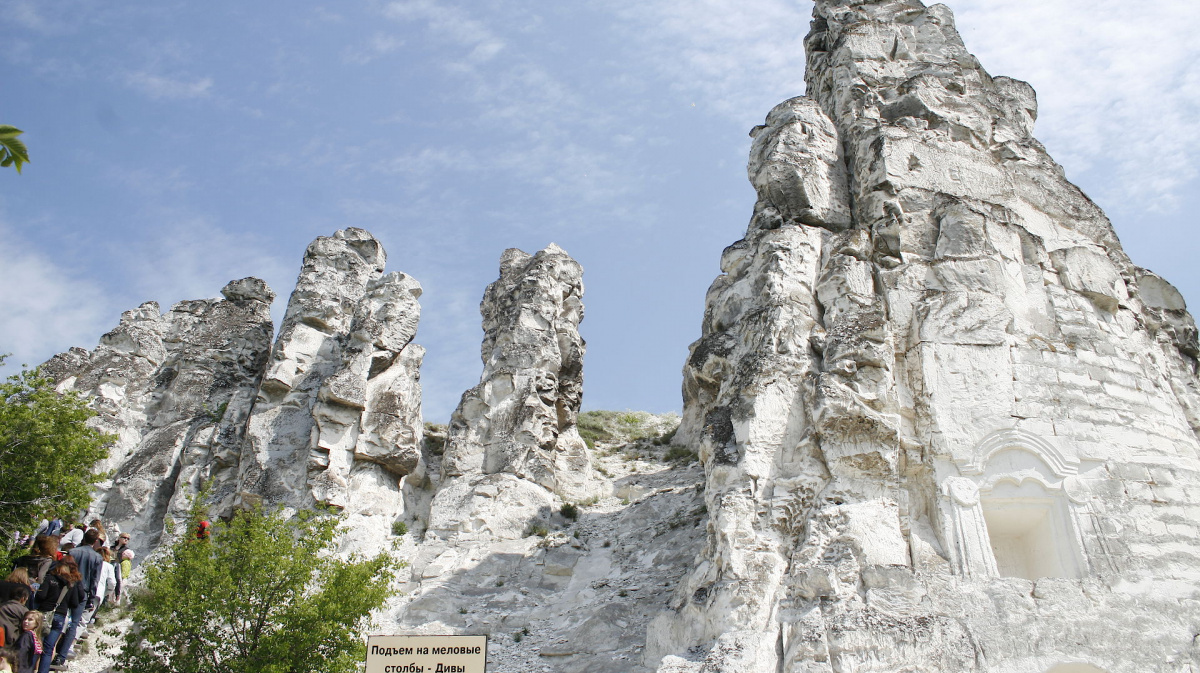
point(46, 307)
point(40, 17)
point(1118, 90)
point(453, 23)
point(150, 183)
point(378, 46)
point(540, 122)
point(1118, 85)
point(189, 258)
point(737, 57)
point(161, 87)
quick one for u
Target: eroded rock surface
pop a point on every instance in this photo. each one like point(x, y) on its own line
point(198, 394)
point(513, 449)
point(337, 420)
point(176, 388)
point(577, 592)
point(946, 425)
point(943, 422)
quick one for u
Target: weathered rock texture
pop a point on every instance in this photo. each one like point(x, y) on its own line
point(946, 424)
point(176, 388)
point(338, 411)
point(198, 394)
point(513, 448)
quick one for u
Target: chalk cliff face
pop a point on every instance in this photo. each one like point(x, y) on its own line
point(946, 424)
point(513, 448)
point(176, 388)
point(198, 394)
point(340, 401)
point(943, 423)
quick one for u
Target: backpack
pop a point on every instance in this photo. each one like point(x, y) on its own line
point(37, 566)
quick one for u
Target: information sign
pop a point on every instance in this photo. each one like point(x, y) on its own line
point(426, 654)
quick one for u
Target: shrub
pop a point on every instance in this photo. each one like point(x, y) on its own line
point(399, 528)
point(570, 511)
point(48, 453)
point(680, 454)
point(665, 438)
point(266, 594)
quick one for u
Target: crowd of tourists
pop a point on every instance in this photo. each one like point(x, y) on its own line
point(53, 593)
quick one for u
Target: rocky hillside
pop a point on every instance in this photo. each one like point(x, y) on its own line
point(936, 419)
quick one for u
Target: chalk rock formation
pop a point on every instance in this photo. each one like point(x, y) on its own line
point(338, 411)
point(513, 446)
point(198, 394)
point(176, 388)
point(946, 424)
point(577, 594)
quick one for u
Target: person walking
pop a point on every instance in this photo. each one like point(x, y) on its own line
point(73, 537)
point(38, 562)
point(119, 548)
point(62, 593)
point(126, 570)
point(89, 561)
point(105, 587)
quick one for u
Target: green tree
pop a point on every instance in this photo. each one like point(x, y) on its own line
point(265, 594)
point(12, 150)
point(48, 453)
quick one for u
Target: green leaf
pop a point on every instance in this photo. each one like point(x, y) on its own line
point(265, 595)
point(47, 452)
point(12, 150)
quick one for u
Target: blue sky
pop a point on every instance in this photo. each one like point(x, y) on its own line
point(179, 145)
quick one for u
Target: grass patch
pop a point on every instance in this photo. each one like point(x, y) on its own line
point(665, 438)
point(680, 454)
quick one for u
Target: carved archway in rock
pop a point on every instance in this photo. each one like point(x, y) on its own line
point(1010, 512)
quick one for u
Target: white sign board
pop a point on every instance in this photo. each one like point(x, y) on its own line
point(426, 654)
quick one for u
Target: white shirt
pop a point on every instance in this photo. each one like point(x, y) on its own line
point(75, 537)
point(108, 580)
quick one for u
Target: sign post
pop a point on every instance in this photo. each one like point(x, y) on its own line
point(426, 654)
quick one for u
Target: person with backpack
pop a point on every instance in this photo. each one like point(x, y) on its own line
point(126, 570)
point(62, 593)
point(38, 562)
point(89, 562)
